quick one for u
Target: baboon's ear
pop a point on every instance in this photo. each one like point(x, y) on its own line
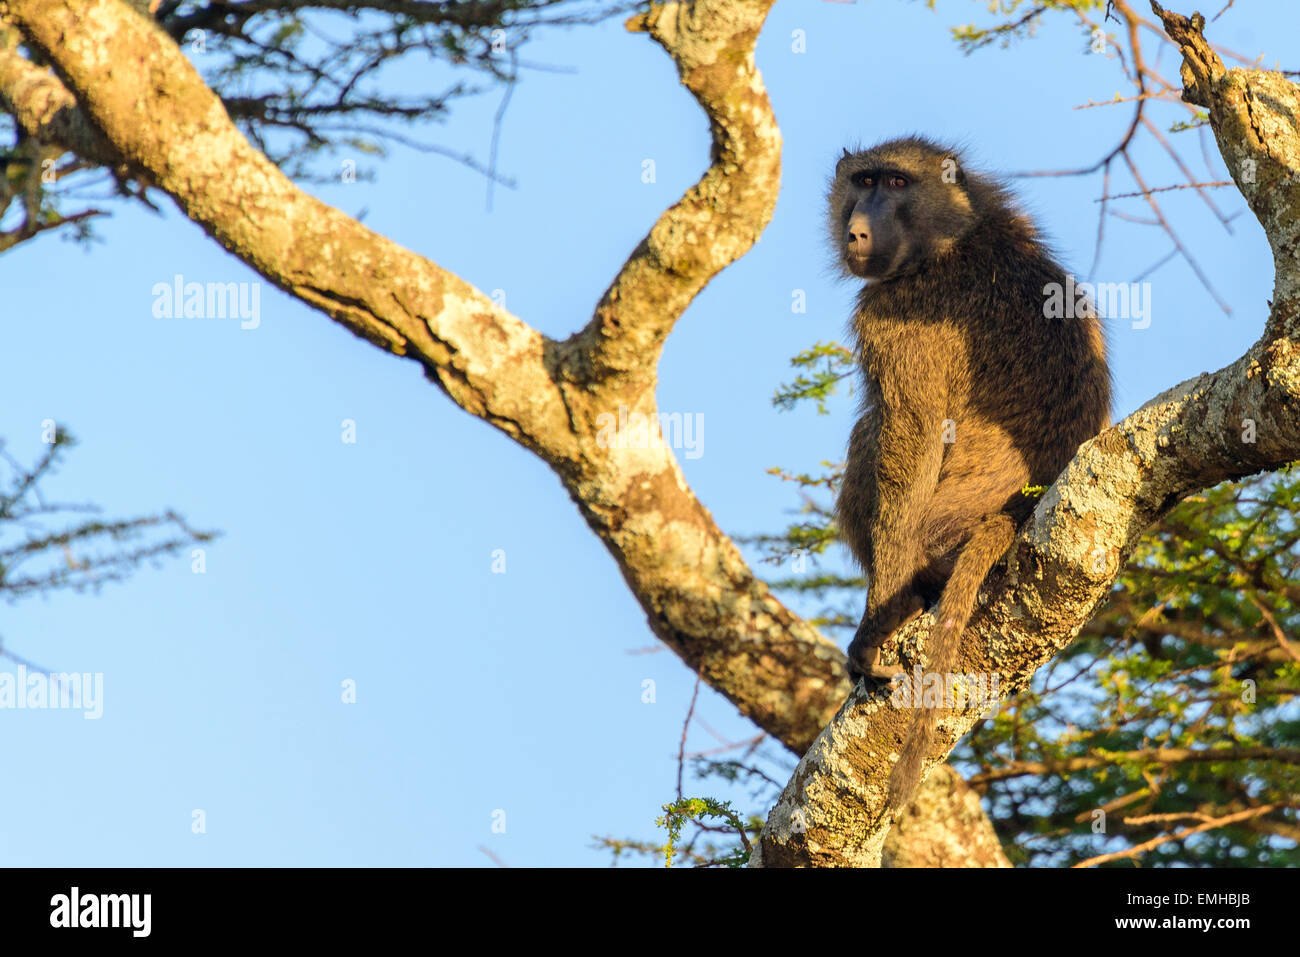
point(847, 154)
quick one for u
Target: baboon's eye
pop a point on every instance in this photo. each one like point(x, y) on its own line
point(898, 182)
point(863, 179)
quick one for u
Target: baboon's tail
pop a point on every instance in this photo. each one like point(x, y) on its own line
point(977, 558)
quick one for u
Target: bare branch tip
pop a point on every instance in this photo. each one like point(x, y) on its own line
point(638, 22)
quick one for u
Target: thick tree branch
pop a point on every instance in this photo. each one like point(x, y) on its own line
point(944, 826)
point(120, 70)
point(1243, 419)
point(721, 216)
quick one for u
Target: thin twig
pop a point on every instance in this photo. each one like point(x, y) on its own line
point(1178, 836)
point(681, 748)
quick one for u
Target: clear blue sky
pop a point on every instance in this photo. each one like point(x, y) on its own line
point(373, 561)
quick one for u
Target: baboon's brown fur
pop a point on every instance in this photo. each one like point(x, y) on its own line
point(970, 394)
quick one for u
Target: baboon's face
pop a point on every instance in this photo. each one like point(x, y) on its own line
point(895, 207)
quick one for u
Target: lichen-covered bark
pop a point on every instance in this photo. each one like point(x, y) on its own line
point(1243, 419)
point(122, 95)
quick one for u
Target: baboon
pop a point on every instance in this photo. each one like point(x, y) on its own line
point(970, 394)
